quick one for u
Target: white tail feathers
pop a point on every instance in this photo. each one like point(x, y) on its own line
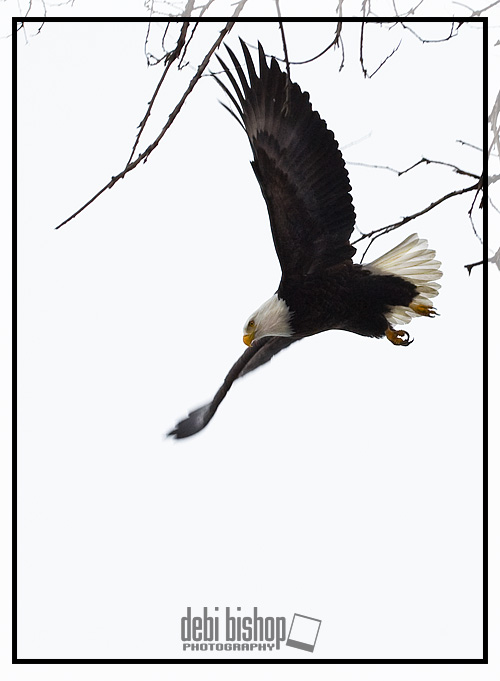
point(414, 261)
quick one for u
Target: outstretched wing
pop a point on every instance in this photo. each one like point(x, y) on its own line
point(257, 354)
point(298, 164)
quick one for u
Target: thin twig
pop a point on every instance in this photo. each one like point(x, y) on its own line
point(171, 58)
point(493, 121)
point(335, 41)
point(495, 259)
point(341, 43)
point(458, 170)
point(474, 264)
point(206, 7)
point(186, 46)
point(283, 39)
point(438, 40)
point(478, 12)
point(386, 59)
point(361, 57)
point(468, 144)
point(410, 12)
point(493, 205)
point(286, 103)
point(428, 161)
point(362, 35)
point(480, 188)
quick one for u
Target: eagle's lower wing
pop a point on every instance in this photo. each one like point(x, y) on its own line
point(298, 164)
point(257, 354)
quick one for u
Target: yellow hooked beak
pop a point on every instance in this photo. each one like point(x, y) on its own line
point(248, 338)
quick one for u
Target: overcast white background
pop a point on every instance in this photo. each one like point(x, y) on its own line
point(343, 480)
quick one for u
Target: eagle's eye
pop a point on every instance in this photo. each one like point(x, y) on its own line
point(251, 323)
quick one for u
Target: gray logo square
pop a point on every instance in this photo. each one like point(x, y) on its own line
point(303, 632)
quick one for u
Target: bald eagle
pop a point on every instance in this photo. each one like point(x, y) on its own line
point(306, 187)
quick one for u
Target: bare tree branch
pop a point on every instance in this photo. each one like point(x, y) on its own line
point(336, 41)
point(410, 12)
point(144, 156)
point(468, 144)
point(428, 161)
point(361, 56)
point(474, 264)
point(376, 233)
point(452, 34)
point(188, 42)
point(479, 189)
point(171, 58)
point(386, 59)
point(495, 259)
point(361, 39)
point(287, 62)
point(283, 39)
point(493, 205)
point(205, 8)
point(493, 121)
point(478, 12)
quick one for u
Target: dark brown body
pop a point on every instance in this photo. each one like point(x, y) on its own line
point(348, 297)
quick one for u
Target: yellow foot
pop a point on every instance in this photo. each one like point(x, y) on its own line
point(424, 310)
point(398, 336)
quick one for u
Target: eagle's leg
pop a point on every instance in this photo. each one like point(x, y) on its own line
point(398, 336)
point(424, 310)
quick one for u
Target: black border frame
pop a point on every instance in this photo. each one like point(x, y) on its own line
point(15, 658)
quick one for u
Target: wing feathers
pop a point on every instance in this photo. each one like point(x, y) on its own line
point(297, 163)
point(256, 355)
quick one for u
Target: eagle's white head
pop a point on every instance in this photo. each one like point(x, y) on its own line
point(271, 319)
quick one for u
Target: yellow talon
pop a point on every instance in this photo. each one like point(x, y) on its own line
point(424, 310)
point(398, 336)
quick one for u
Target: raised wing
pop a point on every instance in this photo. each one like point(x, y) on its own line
point(257, 354)
point(298, 165)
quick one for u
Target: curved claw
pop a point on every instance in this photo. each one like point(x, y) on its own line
point(424, 310)
point(398, 336)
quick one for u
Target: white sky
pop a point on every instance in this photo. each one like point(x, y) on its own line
point(341, 481)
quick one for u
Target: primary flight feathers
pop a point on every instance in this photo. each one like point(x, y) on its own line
point(297, 162)
point(306, 187)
